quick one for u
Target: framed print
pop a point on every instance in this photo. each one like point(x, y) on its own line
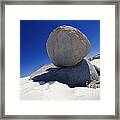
point(59, 59)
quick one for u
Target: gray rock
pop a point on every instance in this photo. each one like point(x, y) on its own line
point(97, 69)
point(67, 46)
point(95, 60)
point(73, 76)
point(97, 56)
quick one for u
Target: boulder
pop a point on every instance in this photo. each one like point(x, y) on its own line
point(67, 46)
point(73, 76)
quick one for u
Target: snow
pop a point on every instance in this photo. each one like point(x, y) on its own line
point(54, 90)
point(96, 62)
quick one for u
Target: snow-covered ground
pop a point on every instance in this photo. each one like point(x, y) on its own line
point(96, 62)
point(30, 90)
point(54, 90)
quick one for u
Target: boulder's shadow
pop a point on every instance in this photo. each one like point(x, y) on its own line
point(73, 76)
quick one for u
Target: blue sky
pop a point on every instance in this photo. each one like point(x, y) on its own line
point(34, 34)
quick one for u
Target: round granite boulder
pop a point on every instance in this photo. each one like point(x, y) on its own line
point(67, 46)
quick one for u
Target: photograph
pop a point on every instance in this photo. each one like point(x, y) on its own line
point(59, 60)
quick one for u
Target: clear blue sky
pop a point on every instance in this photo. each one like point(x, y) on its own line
point(34, 34)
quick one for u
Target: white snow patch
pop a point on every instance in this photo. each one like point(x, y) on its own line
point(96, 62)
point(54, 90)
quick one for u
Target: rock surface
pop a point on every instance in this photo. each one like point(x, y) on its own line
point(95, 60)
point(73, 76)
point(67, 46)
point(97, 56)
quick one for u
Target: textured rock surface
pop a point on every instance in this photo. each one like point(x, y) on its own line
point(73, 76)
point(97, 56)
point(66, 46)
point(95, 60)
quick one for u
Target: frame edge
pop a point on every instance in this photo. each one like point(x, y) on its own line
point(2, 62)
